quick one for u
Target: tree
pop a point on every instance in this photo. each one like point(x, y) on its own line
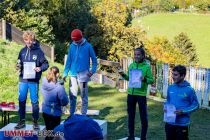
point(159, 49)
point(118, 38)
point(166, 5)
point(16, 13)
point(187, 48)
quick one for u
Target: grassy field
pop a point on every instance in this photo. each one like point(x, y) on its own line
point(110, 102)
point(197, 28)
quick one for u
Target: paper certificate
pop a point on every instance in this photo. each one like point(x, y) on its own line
point(169, 115)
point(135, 78)
point(28, 70)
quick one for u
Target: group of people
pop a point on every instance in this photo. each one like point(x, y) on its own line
point(180, 94)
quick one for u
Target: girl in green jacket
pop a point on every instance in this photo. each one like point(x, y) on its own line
point(138, 94)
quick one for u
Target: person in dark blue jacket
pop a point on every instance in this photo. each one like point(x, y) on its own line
point(79, 127)
point(183, 97)
point(78, 64)
point(54, 97)
point(31, 63)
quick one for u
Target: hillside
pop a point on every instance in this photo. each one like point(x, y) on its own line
point(197, 28)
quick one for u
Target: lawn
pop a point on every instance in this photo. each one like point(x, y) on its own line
point(110, 102)
point(197, 28)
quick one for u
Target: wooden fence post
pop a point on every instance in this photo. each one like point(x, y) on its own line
point(4, 29)
point(101, 78)
point(206, 88)
point(52, 54)
point(65, 59)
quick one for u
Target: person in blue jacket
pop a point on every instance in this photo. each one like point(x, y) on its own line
point(31, 63)
point(54, 97)
point(183, 97)
point(78, 63)
point(79, 127)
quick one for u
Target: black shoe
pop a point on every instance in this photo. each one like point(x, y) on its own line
point(21, 124)
point(35, 125)
point(130, 138)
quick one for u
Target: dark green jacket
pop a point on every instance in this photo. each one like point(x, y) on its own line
point(146, 73)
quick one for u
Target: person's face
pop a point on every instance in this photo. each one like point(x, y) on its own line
point(28, 42)
point(177, 78)
point(78, 42)
point(138, 57)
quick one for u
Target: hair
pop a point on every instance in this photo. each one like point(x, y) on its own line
point(180, 69)
point(52, 74)
point(141, 50)
point(29, 35)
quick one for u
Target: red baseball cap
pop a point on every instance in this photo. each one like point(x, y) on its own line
point(76, 35)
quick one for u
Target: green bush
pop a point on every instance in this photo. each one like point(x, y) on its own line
point(202, 5)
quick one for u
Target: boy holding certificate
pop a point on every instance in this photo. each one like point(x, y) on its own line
point(139, 76)
point(181, 97)
point(31, 63)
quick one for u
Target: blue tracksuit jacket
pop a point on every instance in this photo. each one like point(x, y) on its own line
point(183, 97)
point(78, 59)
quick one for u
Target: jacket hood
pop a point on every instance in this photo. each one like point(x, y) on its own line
point(48, 86)
point(83, 41)
point(183, 84)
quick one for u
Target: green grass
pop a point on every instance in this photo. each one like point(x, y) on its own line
point(110, 102)
point(197, 28)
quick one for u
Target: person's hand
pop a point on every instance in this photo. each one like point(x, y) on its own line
point(90, 74)
point(120, 71)
point(178, 112)
point(37, 69)
point(64, 78)
point(18, 66)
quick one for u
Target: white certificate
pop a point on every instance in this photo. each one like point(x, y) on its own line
point(135, 78)
point(28, 70)
point(169, 115)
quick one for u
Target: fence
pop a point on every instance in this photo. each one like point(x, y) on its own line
point(10, 32)
point(199, 78)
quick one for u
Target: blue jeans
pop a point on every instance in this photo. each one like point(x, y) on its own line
point(23, 91)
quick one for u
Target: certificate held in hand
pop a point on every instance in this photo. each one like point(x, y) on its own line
point(135, 78)
point(28, 70)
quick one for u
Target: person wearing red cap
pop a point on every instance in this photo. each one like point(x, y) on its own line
point(78, 64)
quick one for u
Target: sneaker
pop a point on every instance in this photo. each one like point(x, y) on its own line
point(35, 125)
point(130, 138)
point(21, 124)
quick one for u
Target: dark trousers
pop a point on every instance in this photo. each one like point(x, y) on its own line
point(174, 132)
point(51, 122)
point(142, 103)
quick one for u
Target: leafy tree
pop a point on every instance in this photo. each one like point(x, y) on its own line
point(187, 48)
point(15, 13)
point(202, 5)
point(166, 5)
point(159, 49)
point(113, 19)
